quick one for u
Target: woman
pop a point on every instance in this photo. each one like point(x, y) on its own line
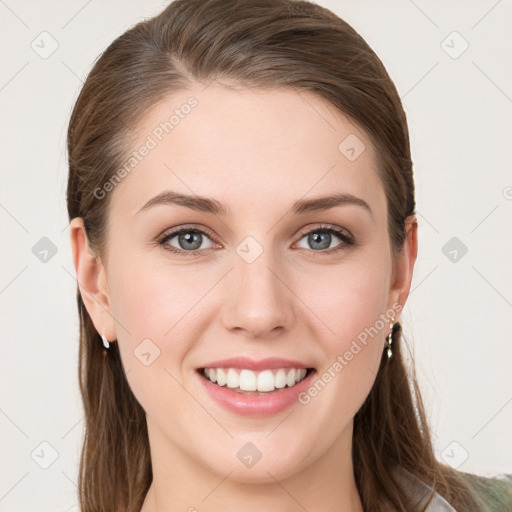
point(244, 234)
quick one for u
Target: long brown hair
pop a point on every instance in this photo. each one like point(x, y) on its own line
point(260, 44)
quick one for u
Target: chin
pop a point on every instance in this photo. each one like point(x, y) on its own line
point(260, 473)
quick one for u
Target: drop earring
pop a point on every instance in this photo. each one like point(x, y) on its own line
point(389, 339)
point(106, 344)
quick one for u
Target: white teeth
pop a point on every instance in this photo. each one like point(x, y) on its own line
point(221, 377)
point(280, 379)
point(247, 380)
point(232, 379)
point(265, 381)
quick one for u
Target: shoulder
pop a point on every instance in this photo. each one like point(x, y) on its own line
point(422, 493)
point(495, 492)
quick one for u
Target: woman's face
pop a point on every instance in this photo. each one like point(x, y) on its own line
point(256, 276)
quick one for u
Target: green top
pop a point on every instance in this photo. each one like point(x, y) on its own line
point(495, 493)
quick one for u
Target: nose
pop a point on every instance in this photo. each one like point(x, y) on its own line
point(259, 301)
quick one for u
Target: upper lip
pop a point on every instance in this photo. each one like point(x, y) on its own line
point(256, 365)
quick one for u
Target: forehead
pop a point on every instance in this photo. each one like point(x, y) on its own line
point(247, 147)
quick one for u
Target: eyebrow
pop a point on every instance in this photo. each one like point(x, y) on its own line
point(209, 205)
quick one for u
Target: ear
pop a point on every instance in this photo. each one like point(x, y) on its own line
point(404, 264)
point(92, 280)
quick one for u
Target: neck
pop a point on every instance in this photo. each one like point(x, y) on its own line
point(181, 483)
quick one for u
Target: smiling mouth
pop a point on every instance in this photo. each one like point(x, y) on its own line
point(246, 381)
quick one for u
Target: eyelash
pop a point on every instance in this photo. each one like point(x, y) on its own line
point(347, 240)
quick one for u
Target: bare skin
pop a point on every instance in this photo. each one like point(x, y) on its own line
point(258, 152)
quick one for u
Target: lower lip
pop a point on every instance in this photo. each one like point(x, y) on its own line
point(256, 405)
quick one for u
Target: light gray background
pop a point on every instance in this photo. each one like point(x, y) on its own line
point(459, 313)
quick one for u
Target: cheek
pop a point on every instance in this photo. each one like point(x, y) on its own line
point(161, 307)
point(151, 298)
point(153, 303)
point(348, 298)
point(351, 302)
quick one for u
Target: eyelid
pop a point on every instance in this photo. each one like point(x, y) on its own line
point(327, 227)
point(182, 227)
point(172, 232)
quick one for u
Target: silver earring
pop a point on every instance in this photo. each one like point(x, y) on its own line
point(389, 339)
point(106, 344)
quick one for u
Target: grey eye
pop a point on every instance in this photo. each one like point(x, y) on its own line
point(188, 240)
point(319, 239)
